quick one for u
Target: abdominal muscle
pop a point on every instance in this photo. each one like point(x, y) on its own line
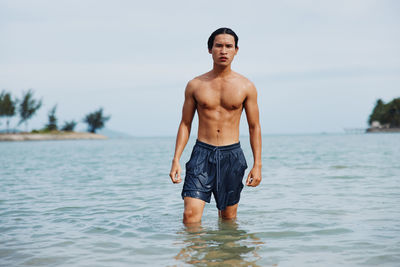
point(219, 127)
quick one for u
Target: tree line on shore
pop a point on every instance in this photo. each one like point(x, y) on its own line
point(386, 114)
point(27, 106)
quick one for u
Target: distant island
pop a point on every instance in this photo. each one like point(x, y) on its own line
point(385, 118)
point(26, 108)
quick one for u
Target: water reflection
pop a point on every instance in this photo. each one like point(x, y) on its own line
point(227, 246)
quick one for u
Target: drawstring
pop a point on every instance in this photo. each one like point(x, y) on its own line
point(217, 158)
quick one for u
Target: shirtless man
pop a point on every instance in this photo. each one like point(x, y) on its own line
point(217, 163)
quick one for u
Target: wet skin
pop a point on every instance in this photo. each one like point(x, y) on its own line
point(219, 97)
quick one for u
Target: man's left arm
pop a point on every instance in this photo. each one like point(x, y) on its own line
point(252, 114)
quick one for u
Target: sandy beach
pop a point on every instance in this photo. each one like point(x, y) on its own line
point(50, 136)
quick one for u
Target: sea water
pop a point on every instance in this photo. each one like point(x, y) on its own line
point(325, 200)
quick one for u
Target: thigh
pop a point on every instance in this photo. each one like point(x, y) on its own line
point(230, 212)
point(232, 170)
point(194, 207)
point(199, 181)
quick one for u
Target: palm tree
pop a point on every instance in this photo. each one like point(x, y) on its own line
point(7, 107)
point(52, 125)
point(95, 120)
point(69, 126)
point(28, 107)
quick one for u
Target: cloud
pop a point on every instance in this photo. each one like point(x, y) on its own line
point(129, 56)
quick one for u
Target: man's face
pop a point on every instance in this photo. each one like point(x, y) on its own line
point(223, 50)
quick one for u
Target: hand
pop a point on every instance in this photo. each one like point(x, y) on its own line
point(175, 172)
point(254, 177)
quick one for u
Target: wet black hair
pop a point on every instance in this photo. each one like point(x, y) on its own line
point(210, 42)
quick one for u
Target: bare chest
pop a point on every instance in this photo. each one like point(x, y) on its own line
point(214, 96)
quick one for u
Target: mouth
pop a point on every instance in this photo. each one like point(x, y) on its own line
point(223, 58)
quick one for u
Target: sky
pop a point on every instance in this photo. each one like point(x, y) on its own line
point(319, 66)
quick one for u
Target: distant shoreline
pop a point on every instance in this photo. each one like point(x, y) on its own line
point(383, 130)
point(50, 136)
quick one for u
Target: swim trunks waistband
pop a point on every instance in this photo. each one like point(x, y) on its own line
point(221, 148)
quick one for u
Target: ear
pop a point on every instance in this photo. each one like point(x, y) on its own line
point(237, 49)
point(209, 51)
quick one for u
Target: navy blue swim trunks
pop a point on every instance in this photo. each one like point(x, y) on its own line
point(215, 169)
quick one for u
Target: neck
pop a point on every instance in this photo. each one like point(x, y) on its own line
point(219, 70)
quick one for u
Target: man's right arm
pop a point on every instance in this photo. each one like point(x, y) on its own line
point(188, 110)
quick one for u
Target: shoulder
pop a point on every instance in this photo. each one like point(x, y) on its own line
point(191, 87)
point(205, 77)
point(245, 83)
point(197, 81)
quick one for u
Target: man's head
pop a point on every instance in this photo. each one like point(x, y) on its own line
point(222, 45)
point(211, 39)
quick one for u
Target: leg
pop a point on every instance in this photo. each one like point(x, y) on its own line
point(231, 185)
point(193, 210)
point(229, 213)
